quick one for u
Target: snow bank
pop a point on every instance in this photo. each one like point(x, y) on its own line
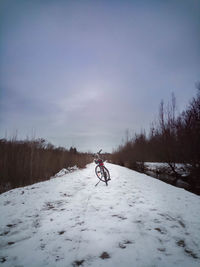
point(65, 171)
point(153, 166)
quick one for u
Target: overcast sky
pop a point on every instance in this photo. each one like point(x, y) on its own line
point(82, 72)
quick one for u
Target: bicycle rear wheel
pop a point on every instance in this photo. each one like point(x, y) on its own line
point(99, 173)
point(102, 173)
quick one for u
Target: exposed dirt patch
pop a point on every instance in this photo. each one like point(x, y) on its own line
point(2, 259)
point(61, 232)
point(191, 253)
point(5, 233)
point(181, 243)
point(104, 255)
point(78, 263)
point(11, 225)
point(11, 243)
point(162, 231)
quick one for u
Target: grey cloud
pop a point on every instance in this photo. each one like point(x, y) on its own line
point(83, 72)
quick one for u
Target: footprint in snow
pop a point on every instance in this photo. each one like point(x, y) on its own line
point(162, 230)
point(157, 221)
point(42, 246)
point(139, 221)
point(36, 223)
point(66, 195)
point(167, 216)
point(124, 244)
point(180, 221)
point(53, 205)
point(7, 203)
point(161, 249)
point(121, 217)
point(121, 245)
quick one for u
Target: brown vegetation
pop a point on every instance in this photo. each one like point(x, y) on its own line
point(27, 162)
point(172, 139)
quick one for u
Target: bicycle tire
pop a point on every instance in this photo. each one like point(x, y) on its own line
point(105, 177)
point(99, 173)
point(104, 174)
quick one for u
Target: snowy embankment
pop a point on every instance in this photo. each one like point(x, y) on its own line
point(153, 166)
point(67, 221)
point(163, 172)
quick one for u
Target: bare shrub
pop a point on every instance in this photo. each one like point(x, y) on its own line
point(172, 139)
point(30, 161)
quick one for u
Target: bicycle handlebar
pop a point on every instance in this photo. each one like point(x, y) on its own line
point(99, 151)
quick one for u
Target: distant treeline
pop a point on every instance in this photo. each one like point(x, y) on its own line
point(172, 139)
point(30, 161)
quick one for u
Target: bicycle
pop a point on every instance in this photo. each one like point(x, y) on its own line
point(101, 171)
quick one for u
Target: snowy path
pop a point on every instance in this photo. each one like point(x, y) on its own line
point(67, 221)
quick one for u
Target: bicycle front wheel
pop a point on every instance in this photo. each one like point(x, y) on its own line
point(106, 175)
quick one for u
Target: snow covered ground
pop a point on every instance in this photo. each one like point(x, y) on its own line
point(67, 221)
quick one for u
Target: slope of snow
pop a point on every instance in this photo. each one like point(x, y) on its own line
point(67, 221)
